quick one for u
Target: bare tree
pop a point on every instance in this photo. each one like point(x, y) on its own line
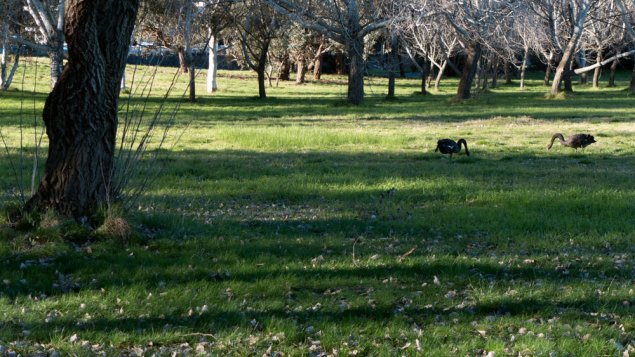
point(8, 9)
point(257, 25)
point(347, 22)
point(48, 18)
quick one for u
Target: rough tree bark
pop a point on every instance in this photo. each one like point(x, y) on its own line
point(469, 71)
point(81, 112)
point(355, 50)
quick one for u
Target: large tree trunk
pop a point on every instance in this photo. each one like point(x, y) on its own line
point(300, 72)
point(212, 69)
point(597, 72)
point(469, 71)
point(81, 112)
point(612, 74)
point(355, 49)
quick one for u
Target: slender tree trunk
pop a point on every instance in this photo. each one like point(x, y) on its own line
point(317, 67)
point(355, 51)
point(402, 68)
point(425, 68)
point(597, 72)
point(612, 74)
point(192, 74)
point(300, 72)
point(523, 68)
point(581, 59)
point(212, 69)
point(394, 63)
point(261, 67)
point(469, 71)
point(81, 112)
point(631, 89)
point(495, 72)
point(567, 79)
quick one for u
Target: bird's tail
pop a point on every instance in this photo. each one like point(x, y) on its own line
point(553, 138)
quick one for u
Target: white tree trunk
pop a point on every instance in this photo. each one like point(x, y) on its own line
point(212, 70)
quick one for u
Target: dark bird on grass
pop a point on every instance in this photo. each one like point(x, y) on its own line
point(448, 146)
point(575, 141)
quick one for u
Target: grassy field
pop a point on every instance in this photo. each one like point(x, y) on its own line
point(299, 225)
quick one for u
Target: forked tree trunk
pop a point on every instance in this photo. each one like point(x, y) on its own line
point(81, 112)
point(437, 80)
point(612, 74)
point(469, 71)
point(564, 67)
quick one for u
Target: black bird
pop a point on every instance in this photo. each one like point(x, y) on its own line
point(449, 146)
point(576, 141)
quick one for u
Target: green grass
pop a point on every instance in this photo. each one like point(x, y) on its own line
point(283, 225)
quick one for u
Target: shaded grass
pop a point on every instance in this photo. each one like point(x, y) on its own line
point(250, 231)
